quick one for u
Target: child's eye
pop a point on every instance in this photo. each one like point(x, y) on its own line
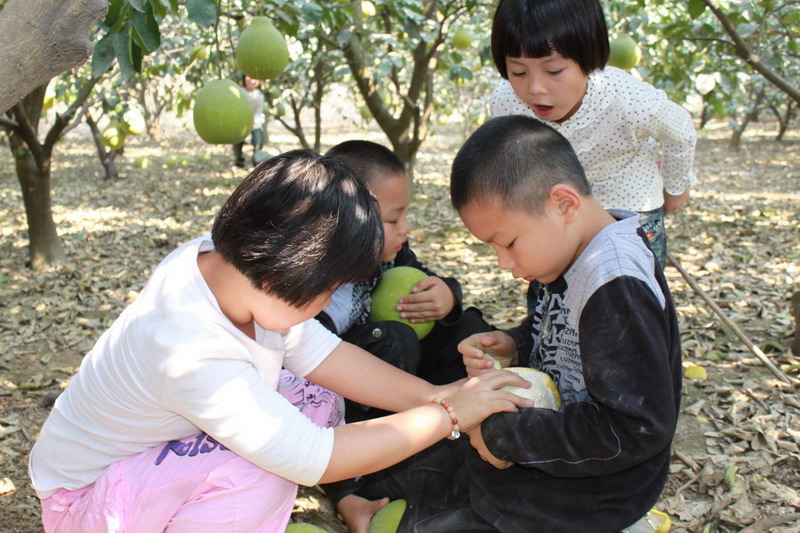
point(517, 74)
point(554, 72)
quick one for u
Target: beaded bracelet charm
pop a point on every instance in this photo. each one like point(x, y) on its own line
point(456, 432)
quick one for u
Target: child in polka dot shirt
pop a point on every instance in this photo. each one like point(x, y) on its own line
point(552, 56)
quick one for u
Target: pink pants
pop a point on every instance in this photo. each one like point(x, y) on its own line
point(190, 485)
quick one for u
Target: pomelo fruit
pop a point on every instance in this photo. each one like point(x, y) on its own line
point(133, 122)
point(298, 527)
point(222, 113)
point(199, 52)
point(624, 53)
point(462, 39)
point(368, 9)
point(114, 135)
point(388, 517)
point(141, 162)
point(543, 392)
point(261, 51)
point(395, 283)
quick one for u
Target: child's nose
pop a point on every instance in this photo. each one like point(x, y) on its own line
point(535, 85)
point(505, 262)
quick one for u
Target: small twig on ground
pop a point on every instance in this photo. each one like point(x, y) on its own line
point(765, 523)
point(728, 322)
point(688, 461)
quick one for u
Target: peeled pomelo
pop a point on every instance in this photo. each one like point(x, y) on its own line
point(394, 284)
point(543, 392)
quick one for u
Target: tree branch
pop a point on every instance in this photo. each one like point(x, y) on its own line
point(41, 39)
point(743, 52)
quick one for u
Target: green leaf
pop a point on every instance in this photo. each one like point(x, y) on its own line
point(138, 5)
point(122, 49)
point(103, 56)
point(145, 27)
point(696, 8)
point(114, 8)
point(160, 7)
point(202, 12)
point(746, 29)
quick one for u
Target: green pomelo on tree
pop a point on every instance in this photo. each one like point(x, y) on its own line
point(388, 517)
point(222, 113)
point(261, 51)
point(394, 284)
point(114, 135)
point(462, 39)
point(624, 53)
point(368, 9)
point(199, 52)
point(365, 112)
point(133, 122)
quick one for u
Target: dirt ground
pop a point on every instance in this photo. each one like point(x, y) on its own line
point(736, 455)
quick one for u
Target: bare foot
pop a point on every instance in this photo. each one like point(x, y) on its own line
point(357, 511)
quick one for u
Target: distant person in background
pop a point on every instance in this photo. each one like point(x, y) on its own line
point(256, 97)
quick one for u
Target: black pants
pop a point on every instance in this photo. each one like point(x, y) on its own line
point(435, 359)
point(257, 139)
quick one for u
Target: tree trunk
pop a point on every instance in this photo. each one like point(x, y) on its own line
point(783, 119)
point(752, 113)
point(40, 39)
point(106, 156)
point(45, 246)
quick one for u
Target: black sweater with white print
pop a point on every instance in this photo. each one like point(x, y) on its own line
point(611, 343)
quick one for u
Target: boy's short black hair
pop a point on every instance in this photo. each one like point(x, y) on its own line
point(299, 225)
point(576, 29)
point(515, 159)
point(369, 160)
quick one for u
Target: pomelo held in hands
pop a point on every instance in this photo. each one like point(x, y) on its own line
point(543, 392)
point(394, 284)
point(222, 113)
point(261, 51)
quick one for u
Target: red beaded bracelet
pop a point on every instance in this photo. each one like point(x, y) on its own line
point(456, 432)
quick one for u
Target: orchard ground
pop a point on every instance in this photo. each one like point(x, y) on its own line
point(736, 458)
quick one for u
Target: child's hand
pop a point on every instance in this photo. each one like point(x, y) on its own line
point(476, 440)
point(482, 396)
point(432, 300)
point(481, 350)
point(671, 203)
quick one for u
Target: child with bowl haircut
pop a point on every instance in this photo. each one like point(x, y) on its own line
point(605, 330)
point(434, 358)
point(636, 145)
point(193, 411)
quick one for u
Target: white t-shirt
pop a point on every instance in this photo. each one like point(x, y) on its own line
point(256, 98)
point(615, 134)
point(171, 365)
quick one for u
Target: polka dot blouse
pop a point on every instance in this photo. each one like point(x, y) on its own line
point(623, 127)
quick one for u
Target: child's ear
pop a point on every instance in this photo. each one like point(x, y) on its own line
point(567, 200)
